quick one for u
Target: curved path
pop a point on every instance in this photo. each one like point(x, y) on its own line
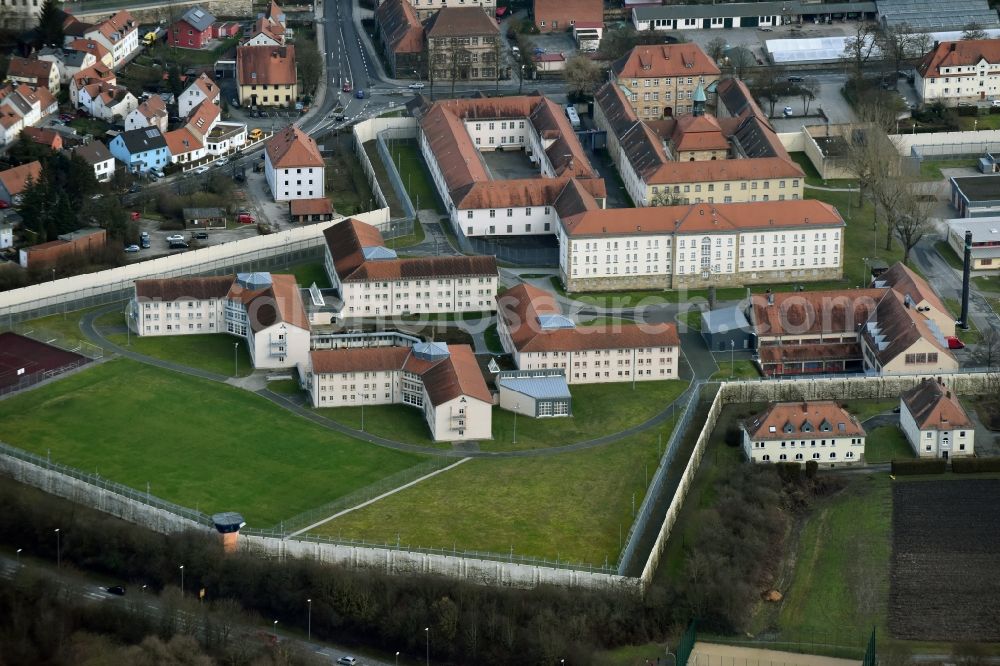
point(89, 330)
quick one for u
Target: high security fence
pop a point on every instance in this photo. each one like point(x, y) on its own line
point(392, 167)
point(27, 381)
point(642, 517)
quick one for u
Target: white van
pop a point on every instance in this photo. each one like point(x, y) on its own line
point(574, 117)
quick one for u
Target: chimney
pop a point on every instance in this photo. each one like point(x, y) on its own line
point(951, 47)
point(963, 321)
point(805, 407)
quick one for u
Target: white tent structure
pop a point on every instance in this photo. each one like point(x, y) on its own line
point(829, 49)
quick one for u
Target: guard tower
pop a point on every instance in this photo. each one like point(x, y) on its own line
point(228, 524)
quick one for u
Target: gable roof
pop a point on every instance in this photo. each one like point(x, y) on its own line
point(30, 68)
point(180, 141)
point(93, 153)
point(958, 54)
point(664, 60)
point(400, 26)
point(461, 21)
point(902, 279)
point(894, 327)
point(172, 289)
point(291, 148)
point(266, 65)
point(934, 407)
point(116, 26)
point(536, 324)
point(16, 179)
point(278, 302)
point(153, 108)
point(89, 46)
point(792, 420)
point(581, 11)
point(42, 135)
point(835, 312)
point(142, 140)
point(206, 85)
point(203, 116)
point(198, 18)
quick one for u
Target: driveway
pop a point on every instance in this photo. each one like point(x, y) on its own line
point(828, 98)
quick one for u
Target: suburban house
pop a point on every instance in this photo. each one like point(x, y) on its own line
point(23, 107)
point(960, 71)
point(203, 119)
point(198, 91)
point(463, 44)
point(184, 146)
point(275, 16)
point(441, 380)
point(660, 80)
point(79, 242)
point(265, 33)
point(152, 112)
point(535, 332)
point(94, 74)
point(119, 34)
point(373, 281)
point(402, 38)
point(819, 430)
point(44, 137)
point(97, 155)
point(698, 157)
point(427, 8)
point(67, 61)
point(193, 30)
point(109, 102)
point(934, 422)
point(141, 150)
point(14, 181)
point(33, 72)
point(293, 167)
point(985, 241)
point(11, 124)
point(556, 15)
point(101, 55)
point(264, 310)
point(266, 75)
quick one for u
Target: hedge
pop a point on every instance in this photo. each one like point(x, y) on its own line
point(974, 465)
point(911, 467)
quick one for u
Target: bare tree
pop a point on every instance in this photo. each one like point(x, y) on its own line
point(973, 31)
point(807, 91)
point(911, 219)
point(900, 43)
point(582, 74)
point(739, 60)
point(858, 48)
point(768, 85)
point(716, 48)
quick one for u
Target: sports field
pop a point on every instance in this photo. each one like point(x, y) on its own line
point(197, 443)
point(21, 358)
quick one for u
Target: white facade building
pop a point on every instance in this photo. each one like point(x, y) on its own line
point(119, 34)
point(293, 167)
point(821, 431)
point(962, 71)
point(934, 422)
point(201, 89)
point(264, 310)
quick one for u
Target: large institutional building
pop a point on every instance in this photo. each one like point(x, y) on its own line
point(962, 71)
point(264, 309)
point(821, 431)
point(539, 336)
point(293, 166)
point(660, 81)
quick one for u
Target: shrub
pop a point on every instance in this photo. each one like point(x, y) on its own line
point(811, 468)
point(975, 465)
point(788, 472)
point(913, 467)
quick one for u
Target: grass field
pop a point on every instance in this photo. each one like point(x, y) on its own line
point(65, 325)
point(948, 254)
point(741, 369)
point(346, 182)
point(865, 409)
point(197, 443)
point(414, 174)
point(813, 177)
point(931, 169)
point(886, 444)
point(213, 352)
point(492, 338)
point(969, 337)
point(307, 274)
point(567, 506)
point(598, 409)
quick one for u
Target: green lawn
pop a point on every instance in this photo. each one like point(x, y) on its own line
point(989, 121)
point(886, 444)
point(65, 325)
point(598, 409)
point(198, 443)
point(213, 352)
point(813, 177)
point(931, 169)
point(493, 339)
point(969, 337)
point(284, 386)
point(987, 283)
point(92, 126)
point(186, 57)
point(414, 174)
point(865, 409)
point(947, 253)
point(741, 369)
point(307, 274)
point(408, 240)
point(691, 318)
point(570, 506)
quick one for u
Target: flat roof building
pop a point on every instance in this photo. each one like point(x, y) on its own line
point(976, 196)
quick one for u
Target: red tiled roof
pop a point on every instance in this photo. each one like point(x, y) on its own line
point(310, 207)
point(362, 359)
point(30, 68)
point(796, 420)
point(399, 23)
point(293, 148)
point(564, 11)
point(813, 312)
point(958, 54)
point(838, 351)
point(665, 60)
point(89, 46)
point(180, 141)
point(934, 407)
point(901, 278)
point(44, 136)
point(521, 307)
point(461, 21)
point(173, 289)
point(266, 65)
point(16, 179)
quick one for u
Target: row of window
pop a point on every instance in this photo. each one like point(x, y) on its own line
point(726, 187)
point(815, 456)
point(669, 81)
point(510, 212)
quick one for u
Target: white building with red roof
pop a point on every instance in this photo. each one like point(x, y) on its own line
point(293, 167)
point(201, 89)
point(935, 423)
point(962, 71)
point(821, 431)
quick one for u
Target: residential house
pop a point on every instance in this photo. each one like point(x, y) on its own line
point(14, 181)
point(44, 137)
point(11, 124)
point(934, 422)
point(67, 61)
point(199, 90)
point(427, 8)
point(80, 242)
point(6, 235)
point(563, 15)
point(373, 281)
point(95, 49)
point(441, 380)
point(463, 44)
point(34, 73)
point(152, 112)
point(119, 34)
point(27, 107)
point(97, 155)
point(265, 33)
point(402, 38)
point(193, 30)
point(203, 119)
point(959, 71)
point(535, 332)
point(110, 103)
point(266, 75)
point(87, 77)
point(819, 430)
point(141, 150)
point(184, 146)
point(293, 167)
point(274, 15)
point(263, 310)
point(225, 138)
point(660, 80)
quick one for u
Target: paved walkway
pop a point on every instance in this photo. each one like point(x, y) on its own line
point(296, 405)
point(823, 188)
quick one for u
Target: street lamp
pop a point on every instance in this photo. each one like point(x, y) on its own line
point(427, 634)
point(732, 358)
point(310, 624)
point(58, 549)
point(19, 561)
point(397, 657)
point(864, 279)
point(182, 580)
point(516, 406)
point(275, 631)
point(236, 359)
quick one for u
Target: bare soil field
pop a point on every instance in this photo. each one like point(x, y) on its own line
point(945, 566)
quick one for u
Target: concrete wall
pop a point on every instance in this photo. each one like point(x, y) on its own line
point(157, 12)
point(905, 142)
point(368, 131)
point(402, 562)
point(794, 142)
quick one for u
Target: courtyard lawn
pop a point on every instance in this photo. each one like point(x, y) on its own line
point(989, 121)
point(969, 337)
point(213, 352)
point(198, 443)
point(492, 338)
point(742, 369)
point(409, 240)
point(886, 444)
point(931, 169)
point(65, 325)
point(284, 386)
point(567, 506)
point(307, 274)
point(813, 177)
point(414, 174)
point(948, 254)
point(987, 283)
point(865, 409)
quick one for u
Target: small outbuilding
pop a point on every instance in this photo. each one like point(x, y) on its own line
point(535, 393)
point(310, 210)
point(725, 329)
point(204, 218)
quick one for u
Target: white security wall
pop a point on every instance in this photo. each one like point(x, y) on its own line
point(904, 142)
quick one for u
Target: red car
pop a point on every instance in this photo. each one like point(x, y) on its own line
point(245, 218)
point(4, 204)
point(954, 343)
point(134, 215)
point(347, 86)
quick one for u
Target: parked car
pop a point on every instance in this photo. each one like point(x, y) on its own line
point(200, 235)
point(4, 204)
point(144, 243)
point(339, 117)
point(347, 661)
point(767, 30)
point(359, 93)
point(134, 215)
point(116, 589)
point(178, 245)
point(787, 112)
point(954, 343)
point(222, 161)
point(175, 238)
point(795, 79)
point(65, 117)
point(995, 102)
point(347, 86)
point(202, 169)
point(256, 134)
point(235, 103)
point(245, 218)
point(132, 248)
point(135, 187)
point(416, 85)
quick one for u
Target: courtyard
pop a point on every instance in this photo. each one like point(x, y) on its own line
point(509, 164)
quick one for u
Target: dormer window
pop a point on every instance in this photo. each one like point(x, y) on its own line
point(807, 427)
point(825, 426)
point(788, 428)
